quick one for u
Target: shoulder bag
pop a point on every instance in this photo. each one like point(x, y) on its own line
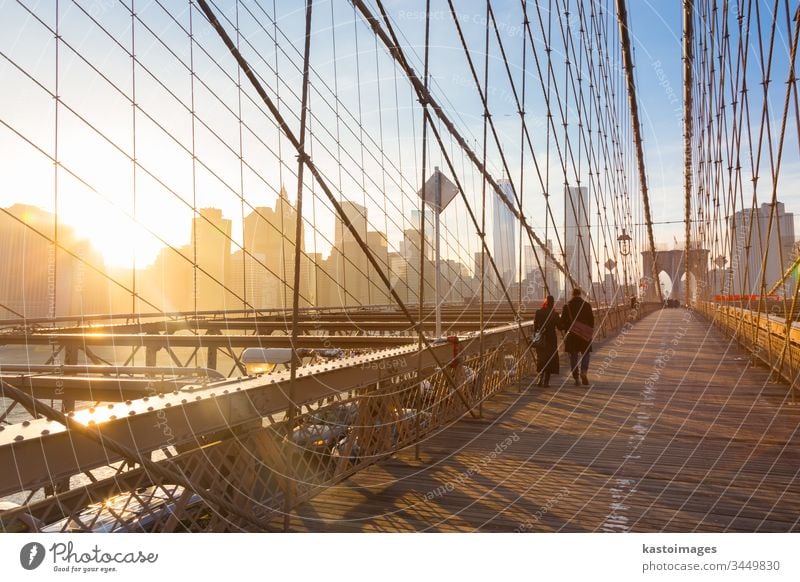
point(580, 329)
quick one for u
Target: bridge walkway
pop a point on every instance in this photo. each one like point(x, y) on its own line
point(678, 432)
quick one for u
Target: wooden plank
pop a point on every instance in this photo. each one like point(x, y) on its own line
point(678, 432)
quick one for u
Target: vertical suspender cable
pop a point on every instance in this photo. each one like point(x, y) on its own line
point(422, 216)
point(481, 348)
point(521, 111)
point(241, 170)
point(53, 290)
point(546, 192)
point(356, 56)
point(622, 16)
point(298, 234)
point(134, 160)
point(688, 63)
point(194, 164)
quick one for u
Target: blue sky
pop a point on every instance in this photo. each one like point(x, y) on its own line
point(657, 34)
point(346, 57)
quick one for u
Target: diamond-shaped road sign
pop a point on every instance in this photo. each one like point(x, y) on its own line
point(447, 191)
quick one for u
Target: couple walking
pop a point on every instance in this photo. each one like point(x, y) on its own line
point(577, 323)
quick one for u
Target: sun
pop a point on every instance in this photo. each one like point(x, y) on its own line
point(120, 242)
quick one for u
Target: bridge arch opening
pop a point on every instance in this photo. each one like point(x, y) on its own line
point(666, 283)
point(691, 280)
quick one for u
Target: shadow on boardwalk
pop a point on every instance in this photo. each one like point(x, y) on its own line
point(677, 433)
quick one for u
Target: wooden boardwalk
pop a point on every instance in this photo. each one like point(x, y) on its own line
point(677, 433)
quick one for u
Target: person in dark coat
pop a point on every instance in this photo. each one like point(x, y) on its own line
point(545, 320)
point(578, 348)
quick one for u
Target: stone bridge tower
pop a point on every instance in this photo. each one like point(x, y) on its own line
point(672, 263)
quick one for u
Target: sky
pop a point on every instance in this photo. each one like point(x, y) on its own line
point(120, 206)
point(656, 28)
point(656, 34)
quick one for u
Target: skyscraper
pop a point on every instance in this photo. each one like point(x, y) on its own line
point(168, 282)
point(539, 272)
point(749, 243)
point(41, 280)
point(211, 236)
point(354, 281)
point(416, 220)
point(269, 237)
point(357, 215)
point(504, 249)
point(577, 235)
point(379, 247)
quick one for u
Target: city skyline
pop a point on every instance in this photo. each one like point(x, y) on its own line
point(234, 278)
point(224, 278)
point(227, 278)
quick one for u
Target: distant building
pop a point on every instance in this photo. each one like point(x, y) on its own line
point(492, 289)
point(595, 293)
point(504, 248)
point(351, 280)
point(613, 292)
point(211, 238)
point(408, 273)
point(749, 243)
point(251, 281)
point(398, 268)
point(357, 215)
point(40, 280)
point(268, 270)
point(477, 264)
point(378, 244)
point(607, 292)
point(169, 280)
point(577, 234)
point(455, 282)
point(416, 220)
point(537, 272)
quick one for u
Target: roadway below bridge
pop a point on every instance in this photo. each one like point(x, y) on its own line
point(678, 432)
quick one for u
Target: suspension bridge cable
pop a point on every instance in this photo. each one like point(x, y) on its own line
point(622, 15)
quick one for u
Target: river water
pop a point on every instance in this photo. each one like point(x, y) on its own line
point(39, 355)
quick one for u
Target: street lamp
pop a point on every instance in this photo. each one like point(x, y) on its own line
point(624, 242)
point(721, 281)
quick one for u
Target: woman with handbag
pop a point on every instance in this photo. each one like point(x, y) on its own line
point(577, 322)
point(545, 341)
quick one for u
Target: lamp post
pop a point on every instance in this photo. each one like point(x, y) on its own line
point(721, 280)
point(624, 242)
